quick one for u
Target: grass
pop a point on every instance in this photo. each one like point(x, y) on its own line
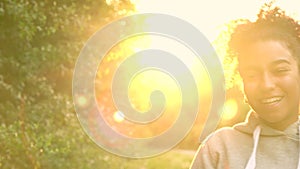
point(175, 159)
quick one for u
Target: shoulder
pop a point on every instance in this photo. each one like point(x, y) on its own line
point(222, 139)
point(213, 148)
point(221, 134)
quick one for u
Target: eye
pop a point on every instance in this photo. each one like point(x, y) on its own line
point(282, 70)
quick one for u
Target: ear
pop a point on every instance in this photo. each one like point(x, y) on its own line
point(245, 99)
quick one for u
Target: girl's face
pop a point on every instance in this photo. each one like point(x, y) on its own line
point(271, 82)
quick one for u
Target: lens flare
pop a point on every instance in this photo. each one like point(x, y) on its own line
point(230, 110)
point(106, 83)
point(82, 101)
point(118, 116)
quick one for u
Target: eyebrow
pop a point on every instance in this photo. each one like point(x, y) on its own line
point(280, 61)
point(274, 63)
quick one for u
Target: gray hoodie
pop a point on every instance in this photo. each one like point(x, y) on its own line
point(250, 145)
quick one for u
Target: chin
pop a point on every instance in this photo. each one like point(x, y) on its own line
point(273, 118)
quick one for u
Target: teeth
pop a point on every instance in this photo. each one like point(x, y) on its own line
point(271, 100)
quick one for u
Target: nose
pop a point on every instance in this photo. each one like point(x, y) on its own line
point(267, 82)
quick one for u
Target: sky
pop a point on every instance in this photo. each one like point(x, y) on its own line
point(209, 16)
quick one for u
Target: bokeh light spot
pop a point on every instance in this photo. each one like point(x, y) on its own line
point(230, 109)
point(118, 116)
point(82, 101)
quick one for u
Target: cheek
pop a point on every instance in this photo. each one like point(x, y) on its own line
point(296, 88)
point(249, 90)
point(292, 83)
point(291, 87)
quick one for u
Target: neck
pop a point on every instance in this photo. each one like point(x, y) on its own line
point(281, 125)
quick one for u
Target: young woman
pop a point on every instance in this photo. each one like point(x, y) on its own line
point(268, 55)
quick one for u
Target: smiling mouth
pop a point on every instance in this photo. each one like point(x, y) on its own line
point(271, 100)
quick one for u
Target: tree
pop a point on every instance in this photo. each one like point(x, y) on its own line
point(39, 43)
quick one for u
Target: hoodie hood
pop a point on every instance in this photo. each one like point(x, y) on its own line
point(257, 129)
point(250, 145)
point(252, 122)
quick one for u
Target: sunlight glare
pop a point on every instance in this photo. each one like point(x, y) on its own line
point(220, 12)
point(144, 84)
point(118, 116)
point(230, 109)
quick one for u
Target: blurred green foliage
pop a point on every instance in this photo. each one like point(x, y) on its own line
point(40, 41)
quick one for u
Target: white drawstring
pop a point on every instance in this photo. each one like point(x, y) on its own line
point(252, 160)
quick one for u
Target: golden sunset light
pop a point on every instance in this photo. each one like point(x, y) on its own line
point(220, 13)
point(209, 16)
point(148, 84)
point(230, 109)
